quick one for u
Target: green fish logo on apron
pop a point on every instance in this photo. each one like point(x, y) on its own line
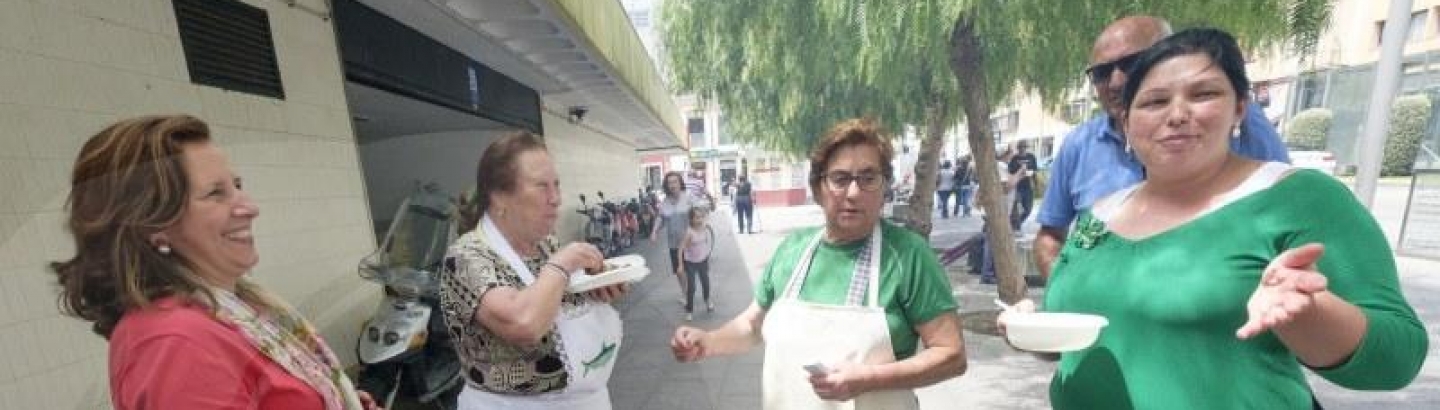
point(601, 359)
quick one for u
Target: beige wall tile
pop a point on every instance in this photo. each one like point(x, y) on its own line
point(12, 144)
point(23, 344)
point(9, 289)
point(221, 108)
point(17, 25)
point(35, 295)
point(55, 240)
point(9, 392)
point(14, 74)
point(169, 56)
point(43, 130)
point(7, 366)
point(159, 17)
point(10, 183)
point(14, 396)
point(10, 265)
point(58, 36)
point(25, 80)
point(304, 119)
point(265, 113)
point(172, 96)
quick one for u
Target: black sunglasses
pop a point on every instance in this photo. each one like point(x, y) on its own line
point(1100, 73)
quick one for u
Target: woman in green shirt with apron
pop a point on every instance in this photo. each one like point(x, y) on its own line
point(841, 308)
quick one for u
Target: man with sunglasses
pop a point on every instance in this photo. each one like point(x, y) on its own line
point(1093, 161)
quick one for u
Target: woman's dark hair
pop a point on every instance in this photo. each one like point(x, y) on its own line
point(499, 167)
point(129, 182)
point(1216, 44)
point(851, 132)
point(665, 183)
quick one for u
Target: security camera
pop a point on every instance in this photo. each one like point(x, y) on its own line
point(577, 114)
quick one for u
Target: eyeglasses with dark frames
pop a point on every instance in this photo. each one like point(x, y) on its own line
point(1100, 73)
point(840, 181)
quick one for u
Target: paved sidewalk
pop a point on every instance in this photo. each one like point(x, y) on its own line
point(647, 376)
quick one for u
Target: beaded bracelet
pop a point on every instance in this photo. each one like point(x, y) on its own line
point(559, 268)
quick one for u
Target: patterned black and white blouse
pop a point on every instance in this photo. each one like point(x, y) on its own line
point(491, 364)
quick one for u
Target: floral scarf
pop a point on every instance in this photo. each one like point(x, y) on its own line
point(290, 341)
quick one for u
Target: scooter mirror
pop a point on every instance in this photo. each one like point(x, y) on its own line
point(600, 194)
point(582, 199)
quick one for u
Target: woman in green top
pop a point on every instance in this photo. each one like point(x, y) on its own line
point(1220, 275)
point(842, 307)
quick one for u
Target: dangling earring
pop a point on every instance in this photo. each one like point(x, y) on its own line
point(1235, 133)
point(1129, 148)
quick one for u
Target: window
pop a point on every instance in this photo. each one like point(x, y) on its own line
point(1417, 25)
point(1414, 33)
point(799, 172)
point(1312, 91)
point(1077, 111)
point(696, 126)
point(640, 18)
point(227, 45)
point(1005, 122)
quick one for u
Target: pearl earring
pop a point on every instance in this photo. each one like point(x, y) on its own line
point(164, 249)
point(1235, 132)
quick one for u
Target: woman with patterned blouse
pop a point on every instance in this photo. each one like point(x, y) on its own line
point(524, 342)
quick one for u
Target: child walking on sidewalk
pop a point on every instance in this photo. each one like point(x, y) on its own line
point(696, 246)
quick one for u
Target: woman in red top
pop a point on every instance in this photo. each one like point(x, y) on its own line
point(163, 237)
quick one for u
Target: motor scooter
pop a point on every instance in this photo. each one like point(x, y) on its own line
point(404, 346)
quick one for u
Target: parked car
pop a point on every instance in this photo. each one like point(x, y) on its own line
point(1319, 160)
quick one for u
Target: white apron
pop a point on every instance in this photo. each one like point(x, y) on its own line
point(799, 333)
point(589, 339)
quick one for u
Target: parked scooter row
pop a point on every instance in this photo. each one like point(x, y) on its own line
point(613, 227)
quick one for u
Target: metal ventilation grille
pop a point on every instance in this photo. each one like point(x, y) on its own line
point(228, 45)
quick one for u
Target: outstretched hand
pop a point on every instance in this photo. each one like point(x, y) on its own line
point(688, 344)
point(1286, 290)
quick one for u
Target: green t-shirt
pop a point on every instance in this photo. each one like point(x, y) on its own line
point(913, 286)
point(1175, 299)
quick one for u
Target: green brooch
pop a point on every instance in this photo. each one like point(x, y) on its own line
point(1089, 233)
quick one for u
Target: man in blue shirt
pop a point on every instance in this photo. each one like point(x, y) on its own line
point(1093, 161)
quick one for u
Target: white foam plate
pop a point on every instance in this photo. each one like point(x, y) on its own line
point(629, 268)
point(1053, 331)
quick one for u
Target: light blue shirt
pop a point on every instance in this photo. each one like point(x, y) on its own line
point(1092, 163)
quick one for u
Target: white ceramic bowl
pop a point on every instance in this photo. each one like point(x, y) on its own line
point(1053, 331)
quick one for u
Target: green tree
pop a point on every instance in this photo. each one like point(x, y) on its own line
point(1309, 130)
point(784, 71)
point(1408, 119)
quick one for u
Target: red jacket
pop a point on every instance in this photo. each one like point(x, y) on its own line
point(175, 355)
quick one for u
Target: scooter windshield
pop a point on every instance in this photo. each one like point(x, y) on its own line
point(411, 252)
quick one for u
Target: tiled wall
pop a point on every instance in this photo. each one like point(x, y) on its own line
point(69, 67)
